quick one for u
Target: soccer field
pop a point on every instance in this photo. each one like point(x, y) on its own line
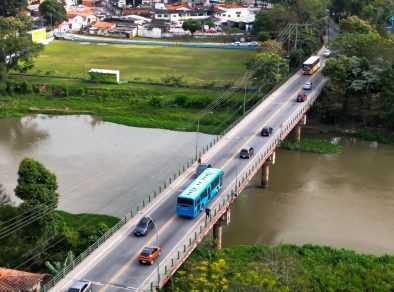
point(143, 62)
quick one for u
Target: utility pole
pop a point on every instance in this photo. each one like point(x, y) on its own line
point(245, 98)
point(296, 36)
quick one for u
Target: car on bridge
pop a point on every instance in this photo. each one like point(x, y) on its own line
point(81, 286)
point(266, 131)
point(144, 226)
point(149, 254)
point(201, 168)
point(308, 85)
point(327, 53)
point(246, 152)
point(301, 97)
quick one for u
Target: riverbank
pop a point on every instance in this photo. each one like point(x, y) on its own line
point(149, 106)
point(319, 146)
point(282, 268)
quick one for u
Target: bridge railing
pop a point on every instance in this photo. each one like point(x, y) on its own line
point(182, 250)
point(150, 198)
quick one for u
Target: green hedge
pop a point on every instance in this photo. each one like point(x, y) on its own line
point(105, 77)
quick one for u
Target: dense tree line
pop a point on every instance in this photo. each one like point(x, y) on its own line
point(282, 268)
point(361, 69)
point(33, 233)
point(361, 76)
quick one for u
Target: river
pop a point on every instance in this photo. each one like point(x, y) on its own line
point(101, 167)
point(344, 200)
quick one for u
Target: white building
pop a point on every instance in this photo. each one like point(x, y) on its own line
point(233, 11)
point(177, 13)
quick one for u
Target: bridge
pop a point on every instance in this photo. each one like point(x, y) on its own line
point(112, 262)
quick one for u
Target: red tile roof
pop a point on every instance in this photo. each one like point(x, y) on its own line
point(216, 6)
point(103, 24)
point(14, 280)
point(177, 6)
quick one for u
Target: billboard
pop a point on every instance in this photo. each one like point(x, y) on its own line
point(38, 35)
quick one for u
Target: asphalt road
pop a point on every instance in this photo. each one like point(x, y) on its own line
point(114, 266)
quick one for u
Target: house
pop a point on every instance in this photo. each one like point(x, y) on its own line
point(234, 15)
point(177, 13)
point(14, 280)
point(91, 3)
point(79, 17)
point(101, 28)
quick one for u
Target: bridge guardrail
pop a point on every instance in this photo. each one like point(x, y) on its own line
point(150, 198)
point(169, 265)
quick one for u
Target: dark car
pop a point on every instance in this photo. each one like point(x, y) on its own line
point(144, 226)
point(149, 254)
point(80, 286)
point(246, 152)
point(266, 131)
point(201, 168)
point(301, 97)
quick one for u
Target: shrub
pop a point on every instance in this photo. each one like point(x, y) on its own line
point(155, 101)
point(3, 89)
point(105, 77)
point(173, 79)
point(180, 100)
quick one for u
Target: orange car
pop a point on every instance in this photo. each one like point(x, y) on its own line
point(149, 254)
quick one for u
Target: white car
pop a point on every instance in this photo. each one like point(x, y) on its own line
point(236, 43)
point(327, 53)
point(308, 85)
point(253, 44)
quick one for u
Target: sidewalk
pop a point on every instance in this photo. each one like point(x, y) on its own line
point(94, 39)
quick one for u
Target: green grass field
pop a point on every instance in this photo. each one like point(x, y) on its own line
point(143, 62)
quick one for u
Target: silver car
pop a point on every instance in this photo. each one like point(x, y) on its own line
point(327, 53)
point(308, 85)
point(81, 286)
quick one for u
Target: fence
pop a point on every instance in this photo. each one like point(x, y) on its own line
point(185, 246)
point(190, 241)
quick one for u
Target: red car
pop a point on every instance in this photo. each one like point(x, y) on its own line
point(149, 254)
point(301, 97)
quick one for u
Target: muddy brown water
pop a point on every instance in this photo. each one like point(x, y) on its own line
point(344, 200)
point(101, 167)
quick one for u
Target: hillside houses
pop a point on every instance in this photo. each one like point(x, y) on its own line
point(155, 19)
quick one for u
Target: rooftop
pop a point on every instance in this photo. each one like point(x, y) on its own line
point(14, 280)
point(103, 24)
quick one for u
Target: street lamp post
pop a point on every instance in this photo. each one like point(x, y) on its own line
point(245, 98)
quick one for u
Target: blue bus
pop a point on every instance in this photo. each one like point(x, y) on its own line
point(198, 194)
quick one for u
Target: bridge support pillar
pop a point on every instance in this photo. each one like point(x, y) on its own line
point(265, 174)
point(217, 234)
point(297, 134)
point(297, 129)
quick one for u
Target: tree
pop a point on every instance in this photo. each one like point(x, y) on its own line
point(271, 68)
point(192, 25)
point(358, 44)
point(354, 24)
point(37, 188)
point(4, 197)
point(16, 47)
point(53, 12)
point(11, 7)
point(57, 267)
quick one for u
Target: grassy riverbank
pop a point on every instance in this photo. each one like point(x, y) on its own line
point(312, 145)
point(283, 268)
point(72, 232)
point(129, 104)
point(142, 62)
